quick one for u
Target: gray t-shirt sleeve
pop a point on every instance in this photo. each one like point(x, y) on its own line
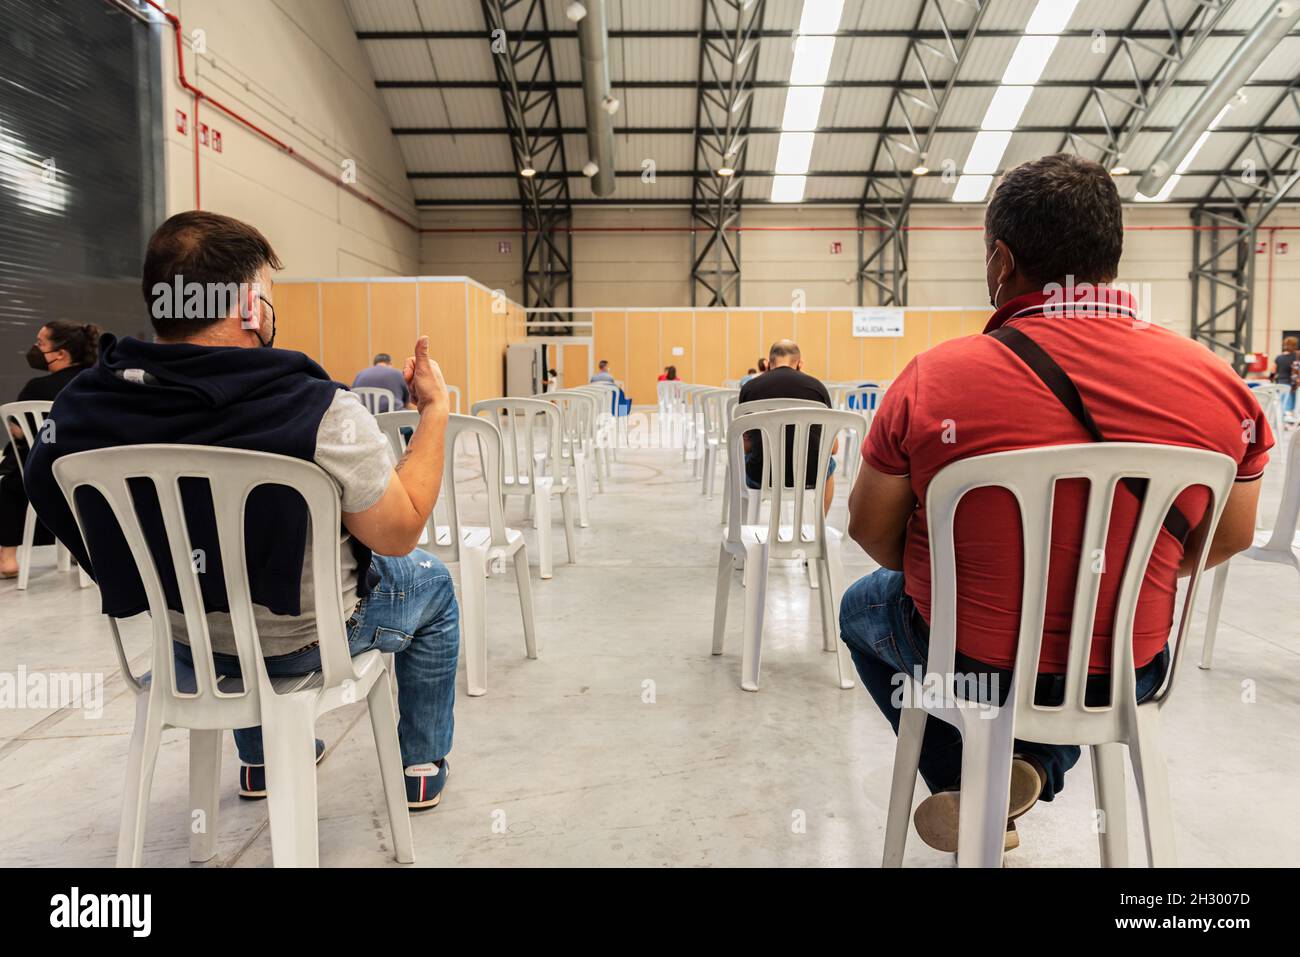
point(352, 450)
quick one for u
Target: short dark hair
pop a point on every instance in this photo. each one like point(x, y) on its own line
point(604, 363)
point(382, 357)
point(1061, 216)
point(205, 248)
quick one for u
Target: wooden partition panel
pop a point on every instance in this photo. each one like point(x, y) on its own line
point(443, 319)
point(575, 359)
point(811, 332)
point(845, 362)
point(744, 342)
point(609, 331)
point(345, 329)
point(643, 356)
point(297, 317)
point(777, 324)
point(711, 347)
point(915, 338)
point(394, 319)
point(677, 331)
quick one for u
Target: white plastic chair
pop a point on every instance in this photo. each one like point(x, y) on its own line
point(30, 418)
point(608, 424)
point(714, 406)
point(864, 400)
point(526, 470)
point(987, 742)
point(1278, 546)
point(671, 409)
point(754, 498)
point(577, 436)
point(286, 708)
point(375, 400)
point(473, 550)
point(453, 392)
point(807, 537)
point(1270, 399)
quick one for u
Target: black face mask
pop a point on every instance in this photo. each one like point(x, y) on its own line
point(36, 358)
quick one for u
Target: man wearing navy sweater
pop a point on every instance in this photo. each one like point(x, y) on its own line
point(212, 377)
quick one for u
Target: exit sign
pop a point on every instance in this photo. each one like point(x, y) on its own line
point(503, 247)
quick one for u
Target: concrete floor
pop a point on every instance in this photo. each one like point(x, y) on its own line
point(569, 760)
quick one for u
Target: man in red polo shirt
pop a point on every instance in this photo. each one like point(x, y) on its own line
point(1053, 235)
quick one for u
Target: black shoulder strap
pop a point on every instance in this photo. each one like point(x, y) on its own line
point(1067, 393)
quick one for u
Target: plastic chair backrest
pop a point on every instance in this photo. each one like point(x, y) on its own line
point(376, 400)
point(453, 391)
point(578, 411)
point(488, 438)
point(31, 418)
point(767, 405)
point(714, 406)
point(1288, 511)
point(230, 475)
point(864, 399)
point(670, 392)
point(1030, 475)
point(517, 421)
point(785, 434)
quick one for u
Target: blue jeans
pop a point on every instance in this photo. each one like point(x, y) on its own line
point(887, 636)
point(412, 612)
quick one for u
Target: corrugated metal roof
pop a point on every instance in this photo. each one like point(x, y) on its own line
point(1077, 60)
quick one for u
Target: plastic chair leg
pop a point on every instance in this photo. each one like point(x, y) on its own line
point(985, 792)
point(1212, 616)
point(1153, 788)
point(542, 522)
point(570, 538)
point(83, 580)
point(205, 792)
point(835, 581)
point(907, 759)
point(1112, 813)
point(756, 561)
point(818, 573)
point(473, 624)
point(524, 584)
point(62, 557)
point(139, 780)
point(289, 740)
point(720, 600)
point(581, 479)
point(379, 700)
point(25, 547)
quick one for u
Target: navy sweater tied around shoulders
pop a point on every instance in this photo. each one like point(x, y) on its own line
point(262, 400)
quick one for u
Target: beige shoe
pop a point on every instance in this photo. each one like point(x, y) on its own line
point(937, 817)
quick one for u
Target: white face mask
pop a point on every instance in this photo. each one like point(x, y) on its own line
point(994, 300)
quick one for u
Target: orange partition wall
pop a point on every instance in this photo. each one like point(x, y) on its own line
point(343, 323)
point(720, 344)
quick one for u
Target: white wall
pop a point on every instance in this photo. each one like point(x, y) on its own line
point(296, 69)
point(617, 264)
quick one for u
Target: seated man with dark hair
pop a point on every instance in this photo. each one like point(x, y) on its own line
point(784, 378)
point(1053, 236)
point(382, 375)
point(213, 378)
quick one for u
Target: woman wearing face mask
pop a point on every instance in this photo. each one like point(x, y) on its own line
point(62, 349)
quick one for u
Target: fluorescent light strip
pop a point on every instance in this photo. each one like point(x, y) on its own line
point(1006, 108)
point(813, 50)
